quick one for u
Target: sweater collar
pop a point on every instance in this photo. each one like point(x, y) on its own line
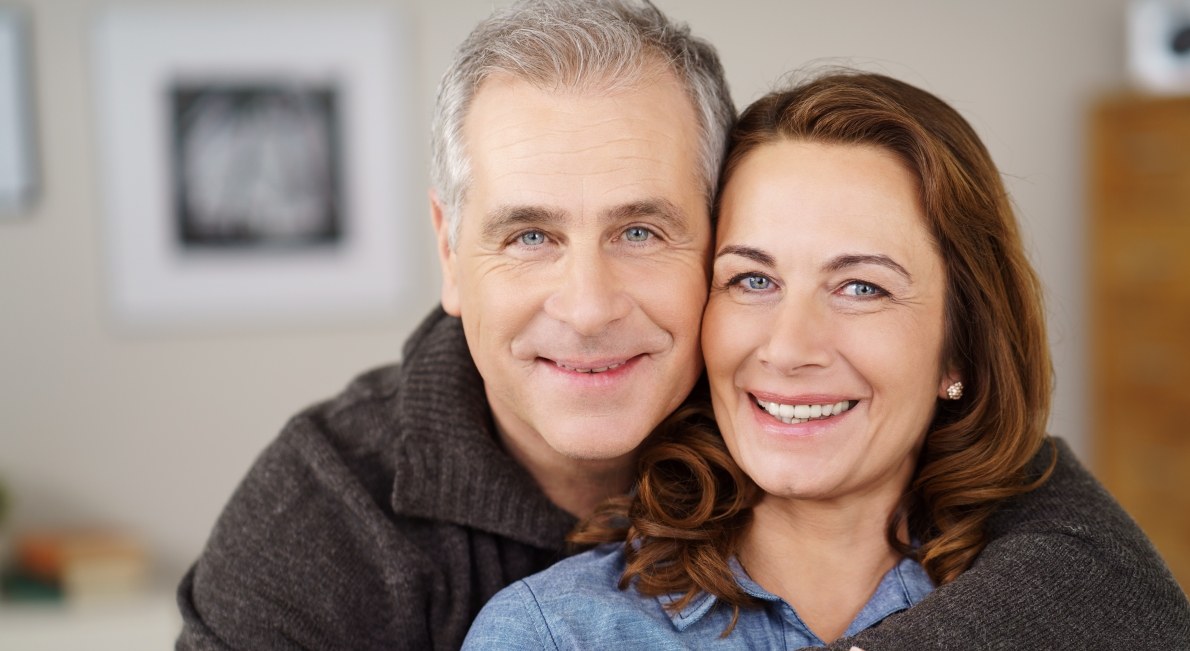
point(449, 465)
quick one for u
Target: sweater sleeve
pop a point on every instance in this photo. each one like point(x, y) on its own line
point(1066, 568)
point(302, 557)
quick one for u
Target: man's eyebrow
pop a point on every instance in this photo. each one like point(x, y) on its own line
point(850, 260)
point(754, 254)
point(506, 218)
point(663, 210)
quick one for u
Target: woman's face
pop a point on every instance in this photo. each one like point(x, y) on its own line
point(823, 331)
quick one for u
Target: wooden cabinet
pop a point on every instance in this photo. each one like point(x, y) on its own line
point(1140, 310)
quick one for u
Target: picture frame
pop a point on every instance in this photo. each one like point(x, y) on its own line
point(253, 161)
point(18, 164)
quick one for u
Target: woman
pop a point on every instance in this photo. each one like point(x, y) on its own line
point(880, 378)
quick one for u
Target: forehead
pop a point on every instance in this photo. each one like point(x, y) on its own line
point(856, 194)
point(578, 148)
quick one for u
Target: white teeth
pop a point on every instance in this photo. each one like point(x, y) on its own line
point(794, 414)
point(588, 370)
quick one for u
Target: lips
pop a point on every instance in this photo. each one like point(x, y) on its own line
point(589, 368)
point(794, 413)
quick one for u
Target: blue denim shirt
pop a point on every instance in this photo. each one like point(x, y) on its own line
point(576, 605)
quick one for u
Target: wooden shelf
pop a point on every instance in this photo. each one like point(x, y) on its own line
point(1140, 314)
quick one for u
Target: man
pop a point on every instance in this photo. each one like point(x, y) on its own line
point(576, 149)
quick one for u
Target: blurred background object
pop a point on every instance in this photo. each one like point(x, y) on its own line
point(18, 160)
point(1159, 45)
point(253, 162)
point(1140, 313)
point(145, 432)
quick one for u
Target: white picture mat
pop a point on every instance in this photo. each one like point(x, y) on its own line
point(140, 50)
point(1152, 62)
point(17, 167)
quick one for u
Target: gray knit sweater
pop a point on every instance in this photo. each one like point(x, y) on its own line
point(386, 517)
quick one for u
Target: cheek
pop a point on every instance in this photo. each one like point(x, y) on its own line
point(673, 298)
point(901, 361)
point(725, 341)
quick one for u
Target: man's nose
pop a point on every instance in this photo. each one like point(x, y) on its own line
point(589, 295)
point(799, 337)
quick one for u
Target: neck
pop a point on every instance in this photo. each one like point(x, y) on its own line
point(576, 486)
point(825, 559)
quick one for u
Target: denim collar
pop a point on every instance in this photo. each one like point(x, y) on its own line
point(903, 586)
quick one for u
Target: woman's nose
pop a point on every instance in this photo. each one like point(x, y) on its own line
point(799, 336)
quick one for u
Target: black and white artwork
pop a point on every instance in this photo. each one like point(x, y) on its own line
point(256, 165)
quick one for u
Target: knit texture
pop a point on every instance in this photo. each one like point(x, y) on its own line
point(382, 519)
point(386, 517)
point(1066, 568)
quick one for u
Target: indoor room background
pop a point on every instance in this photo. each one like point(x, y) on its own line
point(110, 416)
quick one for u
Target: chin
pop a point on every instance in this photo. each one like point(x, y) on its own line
point(601, 442)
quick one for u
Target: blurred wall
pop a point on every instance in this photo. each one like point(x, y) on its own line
point(153, 433)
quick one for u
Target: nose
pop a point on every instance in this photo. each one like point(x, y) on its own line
point(588, 296)
point(799, 339)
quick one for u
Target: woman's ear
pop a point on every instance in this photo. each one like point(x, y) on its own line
point(950, 387)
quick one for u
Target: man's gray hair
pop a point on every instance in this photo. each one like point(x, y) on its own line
point(575, 44)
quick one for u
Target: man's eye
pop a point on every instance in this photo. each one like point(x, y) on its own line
point(532, 238)
point(637, 234)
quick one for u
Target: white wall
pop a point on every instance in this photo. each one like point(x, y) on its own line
point(153, 433)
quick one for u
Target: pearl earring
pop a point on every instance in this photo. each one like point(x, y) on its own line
point(955, 391)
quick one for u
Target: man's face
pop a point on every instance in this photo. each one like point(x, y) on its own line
point(579, 272)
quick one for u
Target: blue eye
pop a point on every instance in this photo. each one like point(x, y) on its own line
point(861, 289)
point(637, 234)
point(758, 283)
point(532, 238)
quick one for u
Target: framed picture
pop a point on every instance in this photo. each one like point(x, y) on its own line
point(254, 164)
point(18, 167)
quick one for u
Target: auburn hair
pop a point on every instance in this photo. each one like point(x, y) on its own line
point(692, 504)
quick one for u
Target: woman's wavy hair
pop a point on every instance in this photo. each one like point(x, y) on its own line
point(684, 521)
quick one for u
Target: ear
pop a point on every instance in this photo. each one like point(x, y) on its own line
point(949, 377)
point(446, 256)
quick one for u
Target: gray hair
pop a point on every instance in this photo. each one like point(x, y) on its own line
point(575, 44)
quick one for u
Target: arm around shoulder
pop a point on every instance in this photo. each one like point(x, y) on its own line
point(1065, 567)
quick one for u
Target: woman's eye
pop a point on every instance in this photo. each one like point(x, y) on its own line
point(637, 234)
point(861, 289)
point(532, 238)
point(758, 283)
point(751, 282)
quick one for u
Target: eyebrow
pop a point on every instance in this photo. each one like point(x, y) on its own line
point(752, 253)
point(836, 264)
point(663, 210)
point(850, 260)
point(506, 218)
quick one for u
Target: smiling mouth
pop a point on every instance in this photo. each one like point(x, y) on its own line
point(599, 369)
point(794, 414)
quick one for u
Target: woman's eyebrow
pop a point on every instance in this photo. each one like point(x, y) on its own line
point(754, 254)
point(853, 259)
